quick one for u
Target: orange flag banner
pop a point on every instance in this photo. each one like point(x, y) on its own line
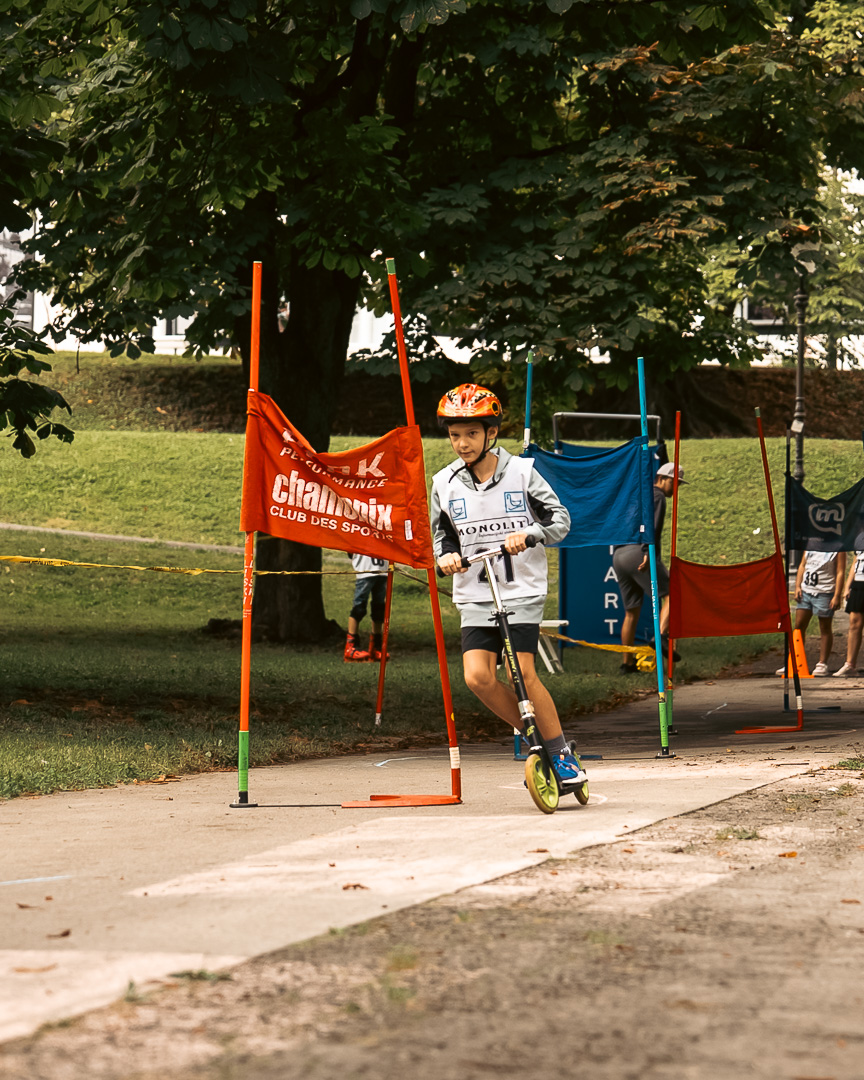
point(371, 500)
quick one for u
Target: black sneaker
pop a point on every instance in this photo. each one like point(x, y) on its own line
point(628, 669)
point(664, 645)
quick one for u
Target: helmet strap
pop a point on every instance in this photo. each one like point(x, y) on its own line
point(486, 448)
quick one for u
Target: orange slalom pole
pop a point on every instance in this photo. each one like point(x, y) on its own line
point(787, 616)
point(384, 636)
point(400, 342)
point(455, 764)
point(248, 569)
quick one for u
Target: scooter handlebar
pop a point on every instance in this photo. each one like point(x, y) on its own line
point(530, 541)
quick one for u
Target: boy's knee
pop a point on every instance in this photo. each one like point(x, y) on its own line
point(477, 681)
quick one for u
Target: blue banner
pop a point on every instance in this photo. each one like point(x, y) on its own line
point(608, 492)
point(814, 524)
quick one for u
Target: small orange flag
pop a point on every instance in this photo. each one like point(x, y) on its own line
point(370, 500)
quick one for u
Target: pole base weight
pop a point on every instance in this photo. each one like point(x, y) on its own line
point(404, 800)
point(665, 752)
point(242, 801)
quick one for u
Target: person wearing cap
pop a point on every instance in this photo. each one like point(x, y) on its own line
point(631, 565)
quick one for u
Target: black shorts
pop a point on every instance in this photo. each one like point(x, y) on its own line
point(855, 603)
point(525, 637)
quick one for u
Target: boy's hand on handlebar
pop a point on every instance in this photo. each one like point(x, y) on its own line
point(451, 564)
point(516, 543)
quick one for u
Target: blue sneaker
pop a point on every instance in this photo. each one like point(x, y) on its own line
point(568, 770)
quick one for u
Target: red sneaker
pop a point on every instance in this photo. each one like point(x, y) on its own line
point(375, 653)
point(353, 653)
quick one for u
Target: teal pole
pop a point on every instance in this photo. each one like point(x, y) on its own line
point(655, 589)
point(529, 385)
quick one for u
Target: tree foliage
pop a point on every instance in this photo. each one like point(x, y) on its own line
point(25, 154)
point(557, 175)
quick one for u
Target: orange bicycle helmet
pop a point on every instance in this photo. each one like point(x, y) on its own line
point(469, 402)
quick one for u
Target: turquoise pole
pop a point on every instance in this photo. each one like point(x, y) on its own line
point(655, 591)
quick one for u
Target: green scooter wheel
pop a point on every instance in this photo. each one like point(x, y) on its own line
point(580, 792)
point(543, 789)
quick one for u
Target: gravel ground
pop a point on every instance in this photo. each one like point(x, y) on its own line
point(723, 943)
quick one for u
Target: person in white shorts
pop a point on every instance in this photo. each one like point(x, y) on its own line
point(819, 592)
point(854, 594)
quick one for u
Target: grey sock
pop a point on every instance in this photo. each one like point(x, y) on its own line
point(557, 745)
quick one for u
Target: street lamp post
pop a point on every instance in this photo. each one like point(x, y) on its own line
point(801, 299)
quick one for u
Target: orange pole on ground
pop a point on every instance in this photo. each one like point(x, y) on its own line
point(384, 636)
point(248, 568)
point(786, 617)
point(455, 764)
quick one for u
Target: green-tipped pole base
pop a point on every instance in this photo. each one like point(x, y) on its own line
point(664, 751)
point(242, 772)
point(242, 801)
point(670, 723)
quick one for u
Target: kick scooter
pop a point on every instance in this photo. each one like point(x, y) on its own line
point(540, 778)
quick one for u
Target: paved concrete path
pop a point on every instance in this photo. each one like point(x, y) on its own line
point(100, 889)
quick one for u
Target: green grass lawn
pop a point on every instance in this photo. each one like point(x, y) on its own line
point(109, 676)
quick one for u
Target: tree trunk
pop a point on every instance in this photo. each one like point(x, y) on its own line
point(302, 370)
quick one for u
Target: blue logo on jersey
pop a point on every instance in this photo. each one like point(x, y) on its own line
point(458, 510)
point(514, 502)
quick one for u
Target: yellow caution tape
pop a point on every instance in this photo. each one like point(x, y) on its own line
point(191, 570)
point(638, 650)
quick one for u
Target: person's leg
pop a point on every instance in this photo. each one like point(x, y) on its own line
point(802, 620)
point(545, 711)
point(479, 668)
point(353, 652)
point(664, 616)
point(853, 641)
point(628, 634)
point(377, 611)
point(567, 767)
point(826, 637)
point(482, 680)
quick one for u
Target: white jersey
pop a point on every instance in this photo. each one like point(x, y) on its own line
point(366, 566)
point(820, 572)
point(484, 518)
point(859, 566)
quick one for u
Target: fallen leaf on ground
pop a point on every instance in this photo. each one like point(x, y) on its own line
point(32, 907)
point(354, 885)
point(629, 850)
point(788, 855)
point(541, 850)
point(63, 933)
point(850, 901)
point(34, 971)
